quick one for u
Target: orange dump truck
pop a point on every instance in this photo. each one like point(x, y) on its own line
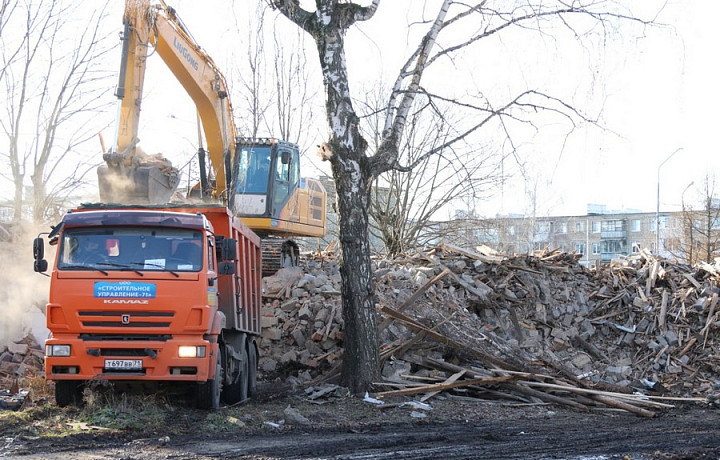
point(153, 294)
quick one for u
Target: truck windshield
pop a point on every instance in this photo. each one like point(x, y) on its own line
point(131, 248)
point(253, 173)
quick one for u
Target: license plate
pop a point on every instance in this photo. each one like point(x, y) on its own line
point(124, 364)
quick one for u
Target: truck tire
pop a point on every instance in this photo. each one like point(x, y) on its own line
point(69, 392)
point(238, 391)
point(252, 369)
point(208, 393)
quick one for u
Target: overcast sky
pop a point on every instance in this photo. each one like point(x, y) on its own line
point(657, 95)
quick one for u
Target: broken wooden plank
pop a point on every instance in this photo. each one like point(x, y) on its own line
point(663, 311)
point(452, 379)
point(445, 386)
point(472, 254)
point(694, 282)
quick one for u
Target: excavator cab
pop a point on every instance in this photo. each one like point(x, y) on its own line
point(270, 197)
point(266, 174)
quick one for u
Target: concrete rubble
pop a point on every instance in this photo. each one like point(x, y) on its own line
point(638, 325)
point(19, 360)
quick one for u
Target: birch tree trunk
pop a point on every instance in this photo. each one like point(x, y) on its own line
point(349, 164)
point(327, 26)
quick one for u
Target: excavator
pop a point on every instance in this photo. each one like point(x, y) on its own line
point(258, 179)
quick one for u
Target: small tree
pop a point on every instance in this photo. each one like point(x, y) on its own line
point(707, 230)
point(275, 94)
point(404, 203)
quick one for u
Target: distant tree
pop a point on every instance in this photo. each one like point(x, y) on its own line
point(686, 240)
point(706, 226)
point(697, 234)
point(275, 90)
point(254, 101)
point(405, 203)
point(454, 28)
point(52, 81)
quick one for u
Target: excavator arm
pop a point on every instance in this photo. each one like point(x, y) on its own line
point(130, 175)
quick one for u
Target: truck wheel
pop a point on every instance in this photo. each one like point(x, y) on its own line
point(208, 393)
point(238, 391)
point(69, 392)
point(252, 369)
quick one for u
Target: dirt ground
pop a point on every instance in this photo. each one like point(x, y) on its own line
point(281, 423)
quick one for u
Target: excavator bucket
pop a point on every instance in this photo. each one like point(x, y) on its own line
point(144, 184)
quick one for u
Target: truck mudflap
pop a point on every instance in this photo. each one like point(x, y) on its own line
point(175, 359)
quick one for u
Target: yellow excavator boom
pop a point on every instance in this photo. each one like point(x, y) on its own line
point(158, 27)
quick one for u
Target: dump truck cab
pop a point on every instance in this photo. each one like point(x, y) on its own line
point(153, 295)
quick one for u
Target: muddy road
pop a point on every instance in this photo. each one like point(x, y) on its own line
point(490, 433)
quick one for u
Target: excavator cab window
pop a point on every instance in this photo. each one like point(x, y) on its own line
point(287, 171)
point(253, 170)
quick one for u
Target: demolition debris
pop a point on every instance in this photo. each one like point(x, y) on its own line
point(640, 334)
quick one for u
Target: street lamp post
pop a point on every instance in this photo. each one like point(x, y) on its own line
point(657, 211)
point(690, 222)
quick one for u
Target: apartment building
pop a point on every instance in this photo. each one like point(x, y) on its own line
point(599, 236)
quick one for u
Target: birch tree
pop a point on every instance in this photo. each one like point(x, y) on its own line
point(454, 27)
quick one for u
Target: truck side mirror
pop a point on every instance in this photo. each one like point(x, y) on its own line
point(228, 249)
point(38, 248)
point(226, 268)
point(40, 265)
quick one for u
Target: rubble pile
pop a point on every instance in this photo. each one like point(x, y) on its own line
point(18, 360)
point(533, 327)
point(301, 320)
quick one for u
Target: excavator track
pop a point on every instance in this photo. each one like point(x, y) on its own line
point(278, 253)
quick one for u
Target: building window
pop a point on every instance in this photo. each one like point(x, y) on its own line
point(543, 227)
point(596, 226)
point(612, 226)
point(511, 230)
point(596, 249)
point(636, 247)
point(580, 248)
point(579, 227)
point(635, 225)
point(613, 246)
point(664, 222)
point(562, 227)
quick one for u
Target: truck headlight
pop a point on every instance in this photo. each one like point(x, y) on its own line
point(57, 350)
point(191, 351)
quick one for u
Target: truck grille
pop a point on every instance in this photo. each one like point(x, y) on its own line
point(125, 319)
point(125, 337)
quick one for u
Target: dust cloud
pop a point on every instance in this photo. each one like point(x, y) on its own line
point(23, 293)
